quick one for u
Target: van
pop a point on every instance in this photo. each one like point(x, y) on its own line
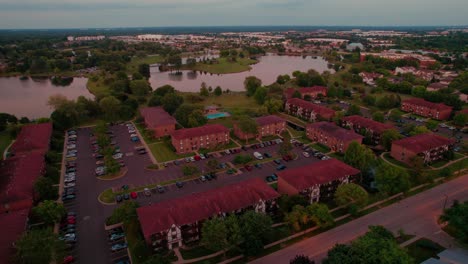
point(257, 155)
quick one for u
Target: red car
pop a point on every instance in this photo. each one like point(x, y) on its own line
point(134, 195)
point(287, 158)
point(197, 158)
point(68, 260)
point(248, 167)
point(71, 221)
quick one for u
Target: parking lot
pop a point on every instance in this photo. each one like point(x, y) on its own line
point(93, 244)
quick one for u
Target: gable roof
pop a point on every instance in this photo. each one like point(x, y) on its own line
point(423, 142)
point(270, 119)
point(320, 110)
point(199, 131)
point(13, 225)
point(317, 173)
point(156, 116)
point(33, 137)
point(424, 103)
point(367, 123)
point(199, 206)
point(335, 131)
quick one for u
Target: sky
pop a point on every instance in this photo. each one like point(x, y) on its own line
point(158, 13)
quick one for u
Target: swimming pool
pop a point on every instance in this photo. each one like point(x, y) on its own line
point(217, 115)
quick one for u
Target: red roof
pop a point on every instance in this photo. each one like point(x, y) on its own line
point(13, 225)
point(18, 176)
point(156, 116)
point(335, 131)
point(317, 173)
point(424, 103)
point(320, 110)
point(367, 123)
point(267, 120)
point(199, 131)
point(33, 137)
point(306, 90)
point(423, 142)
point(199, 206)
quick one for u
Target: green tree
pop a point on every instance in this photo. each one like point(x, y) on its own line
point(418, 130)
point(137, 76)
point(297, 94)
point(45, 188)
point(140, 87)
point(189, 115)
point(125, 213)
point(242, 159)
point(251, 84)
point(432, 124)
point(273, 105)
point(351, 194)
point(255, 228)
point(215, 234)
point(359, 156)
point(204, 91)
point(378, 116)
point(155, 100)
point(457, 219)
point(460, 119)
point(395, 115)
point(171, 101)
point(111, 107)
point(320, 215)
point(163, 90)
point(49, 211)
point(285, 148)
point(353, 110)
point(391, 180)
point(247, 126)
point(196, 118)
point(387, 138)
point(190, 170)
point(39, 246)
point(218, 91)
point(297, 218)
point(260, 95)
point(144, 69)
point(418, 91)
point(301, 259)
point(212, 164)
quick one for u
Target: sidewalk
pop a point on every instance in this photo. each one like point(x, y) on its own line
point(143, 141)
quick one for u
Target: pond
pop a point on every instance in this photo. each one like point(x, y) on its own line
point(29, 97)
point(267, 69)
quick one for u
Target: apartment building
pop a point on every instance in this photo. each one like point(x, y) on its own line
point(332, 136)
point(188, 140)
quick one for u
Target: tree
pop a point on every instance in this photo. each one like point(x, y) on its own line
point(391, 180)
point(196, 118)
point(163, 90)
point(57, 101)
point(273, 105)
point(282, 79)
point(218, 91)
point(320, 215)
point(359, 156)
point(457, 219)
point(189, 115)
point(261, 95)
point(285, 148)
point(137, 76)
point(39, 246)
point(351, 193)
point(287, 202)
point(49, 211)
point(353, 110)
point(111, 107)
point(204, 91)
point(45, 188)
point(190, 170)
point(254, 229)
point(378, 116)
point(247, 126)
point(124, 213)
point(301, 259)
point(171, 101)
point(297, 218)
point(251, 84)
point(297, 94)
point(212, 164)
point(395, 115)
point(155, 100)
point(432, 124)
point(387, 138)
point(460, 119)
point(140, 87)
point(418, 130)
point(214, 234)
point(144, 69)
point(418, 91)
point(242, 159)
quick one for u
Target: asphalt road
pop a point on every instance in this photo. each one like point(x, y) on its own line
point(415, 215)
point(92, 245)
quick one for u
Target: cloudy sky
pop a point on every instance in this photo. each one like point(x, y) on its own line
point(153, 13)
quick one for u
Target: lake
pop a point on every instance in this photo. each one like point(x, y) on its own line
point(29, 97)
point(267, 69)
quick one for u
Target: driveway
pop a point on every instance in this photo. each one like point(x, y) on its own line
point(416, 215)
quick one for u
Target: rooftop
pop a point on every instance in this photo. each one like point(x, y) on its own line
point(317, 173)
point(305, 90)
point(335, 131)
point(423, 142)
point(270, 119)
point(156, 116)
point(198, 206)
point(422, 102)
point(321, 110)
point(368, 123)
point(13, 225)
point(199, 131)
point(33, 137)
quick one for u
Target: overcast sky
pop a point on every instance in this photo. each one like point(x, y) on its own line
point(154, 13)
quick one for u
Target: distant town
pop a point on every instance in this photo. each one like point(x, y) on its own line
point(237, 146)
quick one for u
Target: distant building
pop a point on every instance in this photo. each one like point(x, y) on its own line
point(267, 126)
point(365, 126)
point(369, 78)
point(312, 92)
point(354, 46)
point(430, 147)
point(173, 223)
point(307, 110)
point(436, 86)
point(424, 61)
point(188, 140)
point(159, 121)
point(332, 136)
point(424, 108)
point(318, 181)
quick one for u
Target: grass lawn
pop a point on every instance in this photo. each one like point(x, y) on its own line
point(439, 163)
point(195, 252)
point(162, 152)
point(320, 147)
point(225, 66)
point(138, 249)
point(225, 121)
point(337, 156)
point(423, 249)
point(98, 88)
point(243, 141)
point(150, 59)
point(5, 140)
point(142, 129)
point(295, 133)
point(292, 119)
point(394, 161)
point(231, 101)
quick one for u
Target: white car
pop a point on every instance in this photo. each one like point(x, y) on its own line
point(72, 146)
point(117, 156)
point(133, 135)
point(70, 184)
point(306, 154)
point(192, 159)
point(258, 156)
point(70, 174)
point(68, 180)
point(131, 131)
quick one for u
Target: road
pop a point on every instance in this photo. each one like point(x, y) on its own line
point(415, 215)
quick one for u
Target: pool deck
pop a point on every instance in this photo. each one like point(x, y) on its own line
point(217, 115)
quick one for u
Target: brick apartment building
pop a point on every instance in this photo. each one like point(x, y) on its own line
point(188, 140)
point(430, 147)
point(332, 136)
point(173, 223)
point(267, 126)
point(159, 121)
point(307, 110)
point(424, 108)
point(363, 126)
point(313, 92)
point(424, 61)
point(318, 181)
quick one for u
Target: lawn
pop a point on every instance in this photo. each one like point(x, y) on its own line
point(150, 59)
point(98, 88)
point(162, 152)
point(423, 249)
point(224, 66)
point(5, 140)
point(337, 156)
point(394, 161)
point(292, 119)
point(225, 121)
point(296, 133)
point(231, 101)
point(195, 252)
point(320, 147)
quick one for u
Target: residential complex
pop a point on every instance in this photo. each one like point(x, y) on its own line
point(430, 147)
point(424, 61)
point(424, 108)
point(318, 181)
point(175, 222)
point(188, 140)
point(332, 136)
point(312, 92)
point(366, 126)
point(159, 121)
point(267, 126)
point(307, 110)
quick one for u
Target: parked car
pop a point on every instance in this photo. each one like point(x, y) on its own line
point(117, 156)
point(141, 151)
point(258, 156)
point(160, 189)
point(281, 167)
point(274, 177)
point(202, 156)
point(203, 178)
point(118, 198)
point(231, 171)
point(269, 179)
point(192, 159)
point(135, 139)
point(248, 167)
point(277, 161)
point(119, 246)
point(147, 192)
point(267, 155)
point(116, 236)
point(133, 195)
point(179, 184)
point(258, 165)
point(305, 154)
point(68, 197)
